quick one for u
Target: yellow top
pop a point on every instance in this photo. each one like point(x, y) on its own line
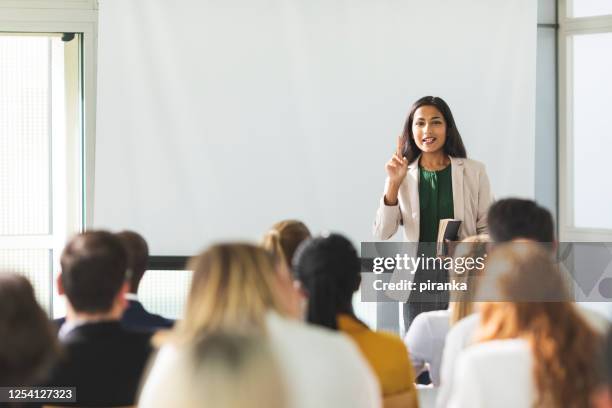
point(386, 354)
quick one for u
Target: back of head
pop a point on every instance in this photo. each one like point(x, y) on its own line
point(232, 289)
point(533, 305)
point(471, 248)
point(514, 218)
point(94, 266)
point(283, 239)
point(329, 270)
point(27, 343)
point(137, 255)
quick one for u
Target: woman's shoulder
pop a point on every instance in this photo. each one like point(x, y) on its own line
point(428, 325)
point(386, 342)
point(503, 349)
point(367, 337)
point(433, 319)
point(468, 163)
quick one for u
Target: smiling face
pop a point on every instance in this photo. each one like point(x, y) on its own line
point(429, 129)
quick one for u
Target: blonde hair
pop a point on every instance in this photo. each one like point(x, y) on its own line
point(463, 301)
point(563, 345)
point(236, 372)
point(232, 289)
point(283, 239)
point(223, 369)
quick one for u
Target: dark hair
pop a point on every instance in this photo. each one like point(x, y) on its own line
point(28, 344)
point(137, 256)
point(94, 267)
point(514, 218)
point(453, 146)
point(328, 268)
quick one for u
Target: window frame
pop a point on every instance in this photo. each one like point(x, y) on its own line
point(569, 27)
point(61, 16)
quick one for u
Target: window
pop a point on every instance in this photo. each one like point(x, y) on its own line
point(39, 125)
point(589, 8)
point(585, 86)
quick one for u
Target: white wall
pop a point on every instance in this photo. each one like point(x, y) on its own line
point(217, 119)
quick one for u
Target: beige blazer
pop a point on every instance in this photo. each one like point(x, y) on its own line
point(471, 200)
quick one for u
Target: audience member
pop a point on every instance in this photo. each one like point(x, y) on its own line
point(528, 353)
point(282, 240)
point(602, 398)
point(28, 345)
point(235, 288)
point(136, 317)
point(221, 370)
point(509, 219)
point(427, 334)
point(329, 271)
point(515, 218)
point(103, 360)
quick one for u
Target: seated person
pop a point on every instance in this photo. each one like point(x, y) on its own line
point(103, 360)
point(427, 333)
point(136, 317)
point(238, 288)
point(510, 219)
point(532, 348)
point(328, 270)
point(209, 373)
point(282, 240)
point(28, 345)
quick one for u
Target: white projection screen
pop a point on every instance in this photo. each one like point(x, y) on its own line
point(216, 119)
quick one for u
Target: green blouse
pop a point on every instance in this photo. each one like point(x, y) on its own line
point(435, 200)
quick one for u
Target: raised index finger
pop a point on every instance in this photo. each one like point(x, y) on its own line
point(400, 146)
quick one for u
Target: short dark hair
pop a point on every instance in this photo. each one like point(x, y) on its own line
point(138, 256)
point(453, 146)
point(513, 218)
point(28, 344)
point(329, 270)
point(94, 267)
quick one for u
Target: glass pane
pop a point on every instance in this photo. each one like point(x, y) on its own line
point(35, 264)
point(589, 8)
point(165, 292)
point(592, 64)
point(24, 135)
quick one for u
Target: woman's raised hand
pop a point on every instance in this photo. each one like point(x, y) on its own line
point(396, 169)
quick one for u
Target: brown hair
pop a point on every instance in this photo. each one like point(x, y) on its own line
point(137, 254)
point(283, 239)
point(94, 265)
point(463, 300)
point(232, 289)
point(563, 345)
point(28, 344)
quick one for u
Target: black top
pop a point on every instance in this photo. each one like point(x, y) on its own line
point(136, 317)
point(104, 362)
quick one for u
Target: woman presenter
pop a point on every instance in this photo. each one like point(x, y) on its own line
point(430, 178)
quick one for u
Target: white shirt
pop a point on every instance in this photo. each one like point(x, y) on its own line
point(321, 368)
point(462, 335)
point(425, 342)
point(495, 373)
